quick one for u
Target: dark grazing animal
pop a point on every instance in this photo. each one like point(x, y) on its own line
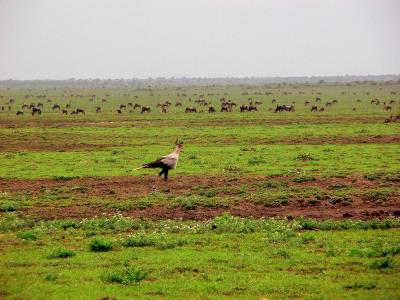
point(166, 162)
point(392, 118)
point(190, 110)
point(211, 109)
point(56, 106)
point(64, 112)
point(284, 108)
point(136, 106)
point(19, 113)
point(243, 108)
point(80, 111)
point(36, 110)
point(314, 108)
point(146, 109)
point(252, 108)
point(98, 109)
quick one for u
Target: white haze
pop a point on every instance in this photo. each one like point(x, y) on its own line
point(59, 39)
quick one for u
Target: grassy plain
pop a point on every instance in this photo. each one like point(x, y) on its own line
point(67, 188)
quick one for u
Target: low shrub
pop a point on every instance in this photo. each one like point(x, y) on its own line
point(126, 276)
point(380, 264)
point(100, 245)
point(28, 235)
point(61, 253)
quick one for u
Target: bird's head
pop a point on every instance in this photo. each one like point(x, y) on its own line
point(179, 145)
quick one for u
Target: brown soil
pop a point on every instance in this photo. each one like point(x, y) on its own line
point(127, 187)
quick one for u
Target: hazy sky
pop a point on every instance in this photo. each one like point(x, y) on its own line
point(58, 39)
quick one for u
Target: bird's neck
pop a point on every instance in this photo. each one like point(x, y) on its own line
point(177, 150)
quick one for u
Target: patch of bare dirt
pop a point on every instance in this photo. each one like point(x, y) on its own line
point(128, 187)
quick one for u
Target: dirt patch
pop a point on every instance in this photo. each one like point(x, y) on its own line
point(116, 188)
point(32, 145)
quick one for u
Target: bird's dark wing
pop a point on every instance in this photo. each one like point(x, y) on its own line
point(156, 164)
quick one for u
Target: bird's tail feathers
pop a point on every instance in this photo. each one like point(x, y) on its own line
point(141, 167)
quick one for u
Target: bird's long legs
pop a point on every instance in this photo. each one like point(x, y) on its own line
point(166, 175)
point(165, 172)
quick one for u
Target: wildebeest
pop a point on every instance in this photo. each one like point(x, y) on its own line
point(284, 108)
point(164, 109)
point(136, 106)
point(2, 107)
point(64, 112)
point(392, 118)
point(36, 110)
point(130, 104)
point(211, 109)
point(79, 111)
point(98, 109)
point(24, 106)
point(306, 103)
point(122, 106)
point(178, 104)
point(273, 100)
point(56, 106)
point(146, 109)
point(258, 103)
point(190, 110)
point(252, 108)
point(387, 107)
point(314, 108)
point(103, 100)
point(11, 101)
point(243, 108)
point(19, 113)
point(318, 99)
point(322, 109)
point(68, 106)
point(119, 111)
point(40, 105)
point(328, 104)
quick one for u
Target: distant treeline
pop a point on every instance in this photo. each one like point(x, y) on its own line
point(183, 81)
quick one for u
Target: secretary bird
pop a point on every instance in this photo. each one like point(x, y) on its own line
point(166, 162)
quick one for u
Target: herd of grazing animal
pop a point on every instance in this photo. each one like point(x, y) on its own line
point(198, 105)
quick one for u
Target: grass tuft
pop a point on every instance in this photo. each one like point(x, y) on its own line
point(125, 276)
point(61, 253)
point(100, 245)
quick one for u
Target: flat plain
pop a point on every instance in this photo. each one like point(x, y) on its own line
point(263, 204)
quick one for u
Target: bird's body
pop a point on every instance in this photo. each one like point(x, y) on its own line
point(166, 162)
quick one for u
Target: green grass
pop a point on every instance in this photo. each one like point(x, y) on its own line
point(116, 257)
point(229, 258)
